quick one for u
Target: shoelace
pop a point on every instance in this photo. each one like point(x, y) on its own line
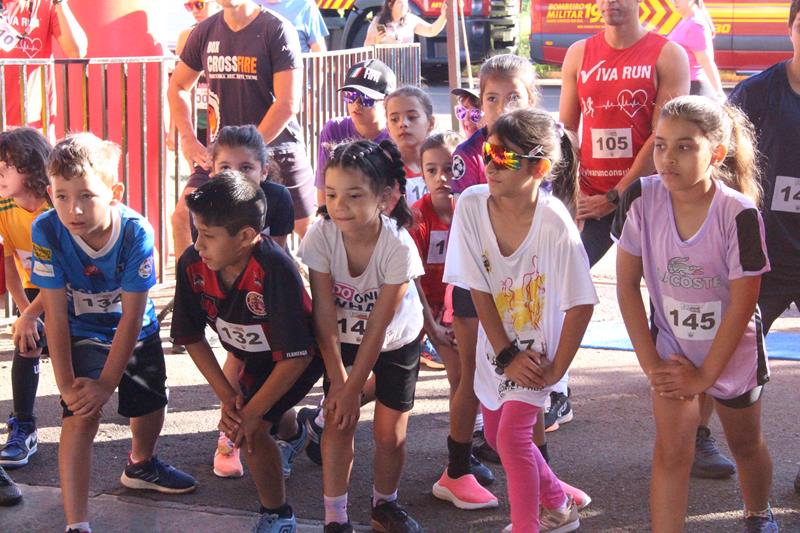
point(707, 446)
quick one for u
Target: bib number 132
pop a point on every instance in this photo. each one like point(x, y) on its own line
point(693, 321)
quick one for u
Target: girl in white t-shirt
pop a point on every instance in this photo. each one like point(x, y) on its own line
point(695, 235)
point(367, 317)
point(520, 255)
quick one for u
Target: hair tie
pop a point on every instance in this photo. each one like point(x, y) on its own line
point(560, 129)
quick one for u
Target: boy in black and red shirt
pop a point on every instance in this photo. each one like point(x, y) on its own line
point(249, 291)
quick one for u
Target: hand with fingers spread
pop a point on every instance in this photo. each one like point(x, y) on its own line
point(26, 333)
point(90, 396)
point(526, 369)
point(195, 152)
point(230, 416)
point(678, 379)
point(595, 206)
point(252, 423)
point(343, 406)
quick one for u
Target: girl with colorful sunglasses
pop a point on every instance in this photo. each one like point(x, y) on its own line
point(519, 254)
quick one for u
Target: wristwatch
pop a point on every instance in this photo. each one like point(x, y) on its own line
point(504, 358)
point(612, 196)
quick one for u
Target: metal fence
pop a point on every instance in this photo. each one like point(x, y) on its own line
point(124, 100)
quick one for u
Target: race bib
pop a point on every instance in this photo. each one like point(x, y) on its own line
point(9, 37)
point(693, 321)
point(201, 97)
point(352, 325)
point(99, 302)
point(437, 248)
point(415, 189)
point(249, 338)
point(25, 259)
point(786, 196)
point(611, 143)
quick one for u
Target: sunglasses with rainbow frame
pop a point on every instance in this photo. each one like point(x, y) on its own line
point(502, 157)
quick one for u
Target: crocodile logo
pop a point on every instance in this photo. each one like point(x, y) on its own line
point(680, 265)
point(683, 274)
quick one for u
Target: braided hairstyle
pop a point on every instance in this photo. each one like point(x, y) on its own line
point(383, 167)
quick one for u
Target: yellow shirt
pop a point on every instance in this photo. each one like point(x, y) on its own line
point(15, 229)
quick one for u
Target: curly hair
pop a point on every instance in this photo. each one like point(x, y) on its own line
point(27, 150)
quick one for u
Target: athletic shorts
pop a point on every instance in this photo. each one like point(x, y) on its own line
point(296, 174)
point(395, 372)
point(745, 400)
point(256, 371)
point(462, 304)
point(143, 387)
point(31, 293)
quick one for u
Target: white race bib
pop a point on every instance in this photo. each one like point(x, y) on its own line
point(249, 338)
point(9, 37)
point(100, 302)
point(693, 321)
point(437, 249)
point(415, 189)
point(352, 325)
point(610, 143)
point(786, 196)
point(25, 259)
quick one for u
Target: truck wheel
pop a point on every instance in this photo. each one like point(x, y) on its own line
point(355, 29)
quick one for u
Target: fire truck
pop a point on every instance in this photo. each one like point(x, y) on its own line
point(491, 26)
point(750, 35)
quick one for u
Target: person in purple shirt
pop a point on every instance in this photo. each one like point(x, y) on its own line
point(365, 87)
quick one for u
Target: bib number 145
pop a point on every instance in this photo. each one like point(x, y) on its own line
point(693, 321)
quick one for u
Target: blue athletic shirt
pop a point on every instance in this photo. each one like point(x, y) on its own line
point(774, 109)
point(95, 280)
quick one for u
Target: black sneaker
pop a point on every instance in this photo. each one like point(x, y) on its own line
point(481, 472)
point(336, 527)
point(389, 517)
point(9, 492)
point(560, 412)
point(157, 475)
point(307, 416)
point(482, 450)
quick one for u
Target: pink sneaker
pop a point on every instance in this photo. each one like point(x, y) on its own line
point(226, 458)
point(464, 492)
point(581, 499)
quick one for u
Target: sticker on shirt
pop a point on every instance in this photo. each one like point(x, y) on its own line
point(352, 325)
point(42, 253)
point(97, 302)
point(25, 258)
point(9, 36)
point(693, 321)
point(415, 189)
point(255, 303)
point(608, 143)
point(146, 268)
point(248, 338)
point(459, 167)
point(43, 269)
point(786, 196)
point(437, 249)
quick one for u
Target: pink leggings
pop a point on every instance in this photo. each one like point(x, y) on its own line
point(509, 430)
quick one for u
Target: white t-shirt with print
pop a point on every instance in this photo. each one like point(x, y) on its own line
point(395, 260)
point(532, 288)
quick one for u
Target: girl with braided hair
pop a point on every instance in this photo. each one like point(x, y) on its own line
point(367, 315)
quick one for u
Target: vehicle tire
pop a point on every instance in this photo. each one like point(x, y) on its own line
point(355, 29)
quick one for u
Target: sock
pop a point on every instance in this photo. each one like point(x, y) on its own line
point(284, 511)
point(320, 420)
point(377, 496)
point(80, 526)
point(458, 458)
point(336, 509)
point(543, 451)
point(763, 514)
point(478, 423)
point(24, 382)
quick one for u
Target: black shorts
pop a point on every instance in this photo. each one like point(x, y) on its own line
point(463, 306)
point(32, 293)
point(745, 400)
point(395, 372)
point(294, 171)
point(256, 371)
point(143, 387)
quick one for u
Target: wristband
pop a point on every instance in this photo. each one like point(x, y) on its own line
point(504, 358)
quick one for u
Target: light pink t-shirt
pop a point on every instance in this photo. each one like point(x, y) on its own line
point(689, 281)
point(694, 35)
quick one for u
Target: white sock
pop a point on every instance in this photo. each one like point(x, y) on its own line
point(336, 509)
point(478, 423)
point(377, 496)
point(320, 420)
point(80, 526)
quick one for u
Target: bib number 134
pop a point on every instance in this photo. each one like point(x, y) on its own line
point(693, 321)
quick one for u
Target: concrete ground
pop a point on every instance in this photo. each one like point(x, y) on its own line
point(605, 451)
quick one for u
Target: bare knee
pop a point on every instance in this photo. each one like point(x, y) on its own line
point(674, 454)
point(389, 442)
point(746, 445)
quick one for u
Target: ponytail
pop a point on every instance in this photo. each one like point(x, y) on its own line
point(565, 174)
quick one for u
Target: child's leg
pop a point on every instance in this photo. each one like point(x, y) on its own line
point(75, 465)
point(452, 366)
point(389, 432)
point(145, 431)
point(465, 403)
point(265, 464)
point(676, 426)
point(743, 431)
point(25, 382)
point(337, 459)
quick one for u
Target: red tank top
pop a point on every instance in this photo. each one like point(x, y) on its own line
point(617, 91)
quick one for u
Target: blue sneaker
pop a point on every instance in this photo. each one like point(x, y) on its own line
point(272, 523)
point(157, 475)
point(428, 355)
point(307, 416)
point(292, 448)
point(761, 524)
point(21, 444)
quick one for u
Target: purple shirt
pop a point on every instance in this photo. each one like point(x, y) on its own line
point(689, 281)
point(468, 168)
point(694, 35)
point(336, 131)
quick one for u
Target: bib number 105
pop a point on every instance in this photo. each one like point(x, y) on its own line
point(611, 143)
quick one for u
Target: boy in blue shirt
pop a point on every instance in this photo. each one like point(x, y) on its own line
point(93, 260)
